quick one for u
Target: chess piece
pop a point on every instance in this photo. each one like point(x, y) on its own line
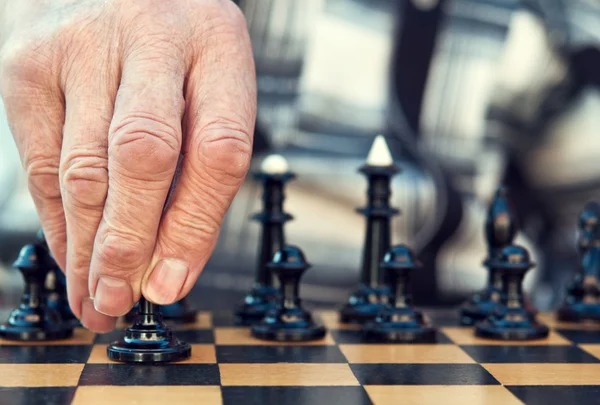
point(148, 340)
point(500, 231)
point(33, 320)
point(371, 296)
point(399, 321)
point(56, 284)
point(273, 176)
point(179, 312)
point(510, 320)
point(582, 301)
point(288, 321)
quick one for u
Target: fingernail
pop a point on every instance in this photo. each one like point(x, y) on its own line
point(93, 320)
point(166, 281)
point(114, 297)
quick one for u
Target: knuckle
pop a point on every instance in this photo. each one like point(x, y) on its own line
point(225, 150)
point(144, 144)
point(23, 61)
point(200, 228)
point(121, 252)
point(84, 180)
point(42, 176)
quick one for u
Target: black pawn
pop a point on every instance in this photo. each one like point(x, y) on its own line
point(33, 320)
point(56, 283)
point(582, 303)
point(288, 321)
point(148, 340)
point(500, 231)
point(510, 320)
point(179, 312)
point(371, 296)
point(399, 321)
point(272, 219)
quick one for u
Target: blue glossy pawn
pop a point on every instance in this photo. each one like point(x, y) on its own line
point(399, 322)
point(149, 340)
point(288, 321)
point(33, 320)
point(582, 302)
point(510, 320)
point(500, 231)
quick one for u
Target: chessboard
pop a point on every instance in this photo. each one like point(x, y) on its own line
point(228, 366)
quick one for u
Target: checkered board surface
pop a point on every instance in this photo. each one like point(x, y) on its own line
point(228, 366)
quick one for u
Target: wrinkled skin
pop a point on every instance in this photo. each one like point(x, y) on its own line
point(102, 97)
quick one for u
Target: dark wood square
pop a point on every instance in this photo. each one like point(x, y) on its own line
point(279, 354)
point(295, 396)
point(44, 354)
point(137, 374)
point(422, 374)
point(528, 354)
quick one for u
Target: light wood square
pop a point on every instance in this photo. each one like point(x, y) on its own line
point(40, 375)
point(148, 395)
point(242, 336)
point(549, 318)
point(441, 394)
point(201, 354)
point(545, 374)
point(593, 349)
point(286, 374)
point(466, 336)
point(405, 354)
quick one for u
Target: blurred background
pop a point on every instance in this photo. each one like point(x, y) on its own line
point(470, 94)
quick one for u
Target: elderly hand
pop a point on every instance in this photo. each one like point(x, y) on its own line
point(102, 97)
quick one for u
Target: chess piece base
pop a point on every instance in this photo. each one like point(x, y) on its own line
point(579, 312)
point(288, 325)
point(129, 352)
point(364, 305)
point(511, 331)
point(31, 324)
point(256, 305)
point(399, 333)
point(400, 325)
point(35, 333)
point(479, 307)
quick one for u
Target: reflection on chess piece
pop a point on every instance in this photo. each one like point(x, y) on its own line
point(149, 339)
point(288, 321)
point(510, 320)
point(273, 176)
point(500, 231)
point(399, 321)
point(371, 296)
point(56, 283)
point(33, 320)
point(582, 301)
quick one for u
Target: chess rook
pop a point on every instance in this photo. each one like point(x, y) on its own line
point(500, 231)
point(288, 321)
point(148, 340)
point(582, 301)
point(273, 176)
point(365, 303)
point(33, 320)
point(510, 320)
point(399, 321)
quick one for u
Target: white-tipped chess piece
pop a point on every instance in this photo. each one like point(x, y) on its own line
point(274, 164)
point(380, 154)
